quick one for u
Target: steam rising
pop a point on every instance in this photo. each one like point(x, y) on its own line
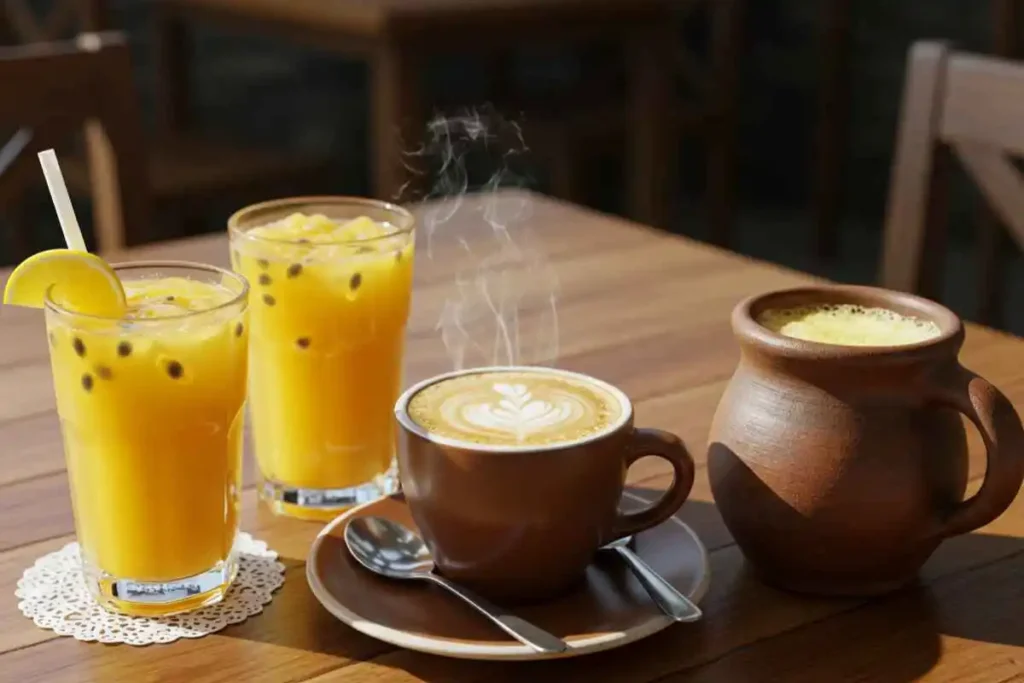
point(501, 307)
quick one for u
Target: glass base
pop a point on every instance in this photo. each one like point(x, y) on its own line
point(324, 504)
point(161, 599)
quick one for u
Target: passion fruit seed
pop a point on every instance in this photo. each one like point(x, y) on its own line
point(87, 382)
point(124, 349)
point(294, 270)
point(269, 300)
point(175, 370)
point(103, 372)
point(357, 279)
point(263, 263)
point(79, 346)
point(265, 280)
point(303, 342)
point(170, 297)
point(239, 328)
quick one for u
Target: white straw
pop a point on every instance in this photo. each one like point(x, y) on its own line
point(61, 200)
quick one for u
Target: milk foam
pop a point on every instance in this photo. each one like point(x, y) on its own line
point(518, 412)
point(849, 325)
point(514, 408)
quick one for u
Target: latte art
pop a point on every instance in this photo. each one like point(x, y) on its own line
point(514, 408)
point(518, 413)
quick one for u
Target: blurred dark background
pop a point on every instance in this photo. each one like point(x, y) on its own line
point(267, 91)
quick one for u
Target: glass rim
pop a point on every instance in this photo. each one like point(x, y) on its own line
point(408, 220)
point(242, 296)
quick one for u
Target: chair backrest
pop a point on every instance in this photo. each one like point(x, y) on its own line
point(959, 105)
point(50, 91)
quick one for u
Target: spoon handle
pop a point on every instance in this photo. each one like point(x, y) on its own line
point(520, 629)
point(669, 600)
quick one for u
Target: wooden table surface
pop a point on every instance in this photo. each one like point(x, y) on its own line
point(647, 311)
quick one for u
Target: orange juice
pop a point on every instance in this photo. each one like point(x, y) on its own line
point(331, 283)
point(151, 406)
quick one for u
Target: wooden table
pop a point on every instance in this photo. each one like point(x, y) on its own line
point(649, 312)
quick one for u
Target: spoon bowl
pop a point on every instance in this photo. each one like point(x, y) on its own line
point(387, 548)
point(390, 549)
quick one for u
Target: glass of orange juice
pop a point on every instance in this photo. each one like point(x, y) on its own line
point(151, 405)
point(332, 280)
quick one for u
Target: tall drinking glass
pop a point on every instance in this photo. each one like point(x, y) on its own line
point(332, 280)
point(151, 408)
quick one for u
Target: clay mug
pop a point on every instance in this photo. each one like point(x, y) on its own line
point(840, 469)
point(518, 523)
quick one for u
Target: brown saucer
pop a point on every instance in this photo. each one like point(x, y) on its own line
point(609, 609)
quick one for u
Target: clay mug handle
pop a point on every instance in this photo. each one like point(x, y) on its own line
point(1001, 430)
point(644, 442)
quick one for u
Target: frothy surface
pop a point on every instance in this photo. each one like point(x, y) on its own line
point(319, 229)
point(311, 239)
point(514, 408)
point(166, 297)
point(849, 325)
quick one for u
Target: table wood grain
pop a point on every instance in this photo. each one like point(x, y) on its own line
point(645, 310)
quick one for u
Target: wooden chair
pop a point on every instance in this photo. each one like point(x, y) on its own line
point(56, 90)
point(993, 241)
point(836, 41)
point(185, 171)
point(955, 105)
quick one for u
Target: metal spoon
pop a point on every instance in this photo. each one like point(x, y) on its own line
point(395, 551)
point(671, 601)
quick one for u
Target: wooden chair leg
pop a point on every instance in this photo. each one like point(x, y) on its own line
point(993, 248)
point(650, 135)
point(17, 227)
point(726, 30)
point(95, 15)
point(172, 90)
point(833, 122)
point(499, 68)
point(398, 124)
point(564, 167)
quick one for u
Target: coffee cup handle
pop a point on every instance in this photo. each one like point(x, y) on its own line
point(655, 442)
point(1001, 430)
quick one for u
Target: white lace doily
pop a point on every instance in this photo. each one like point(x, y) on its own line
point(53, 594)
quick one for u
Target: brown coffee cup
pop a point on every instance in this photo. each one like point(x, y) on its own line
point(521, 523)
point(839, 469)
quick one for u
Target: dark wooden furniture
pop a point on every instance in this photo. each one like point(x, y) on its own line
point(655, 321)
point(833, 120)
point(184, 172)
point(994, 244)
point(396, 37)
point(833, 128)
point(56, 90)
point(21, 21)
point(958, 105)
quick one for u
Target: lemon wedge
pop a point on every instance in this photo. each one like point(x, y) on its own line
point(82, 282)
